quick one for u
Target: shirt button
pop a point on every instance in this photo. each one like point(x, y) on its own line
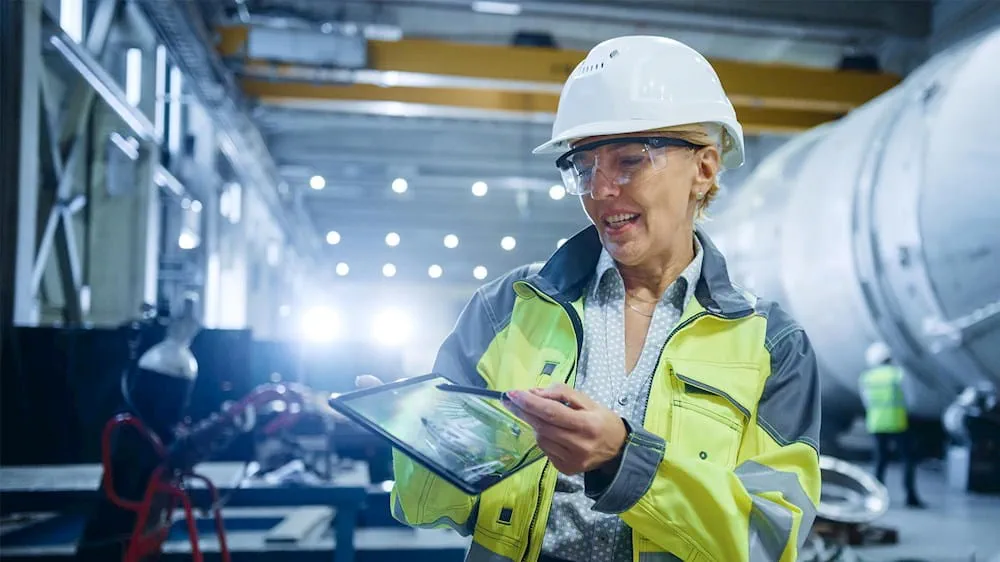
point(623, 400)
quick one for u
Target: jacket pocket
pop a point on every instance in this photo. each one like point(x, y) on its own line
point(711, 407)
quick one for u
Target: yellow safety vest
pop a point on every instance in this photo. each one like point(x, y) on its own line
point(882, 391)
point(725, 466)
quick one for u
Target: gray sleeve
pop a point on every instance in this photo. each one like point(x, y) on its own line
point(789, 408)
point(636, 470)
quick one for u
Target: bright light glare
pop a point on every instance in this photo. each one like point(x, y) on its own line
point(284, 310)
point(388, 270)
point(391, 327)
point(317, 182)
point(196, 206)
point(133, 76)
point(333, 237)
point(399, 185)
point(480, 188)
point(435, 271)
point(451, 241)
point(498, 8)
point(560, 242)
point(320, 324)
point(187, 241)
point(557, 192)
point(392, 239)
point(71, 18)
point(479, 272)
point(508, 243)
point(342, 269)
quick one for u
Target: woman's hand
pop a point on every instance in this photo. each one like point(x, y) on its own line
point(367, 381)
point(575, 433)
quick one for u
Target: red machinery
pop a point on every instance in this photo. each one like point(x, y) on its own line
point(166, 486)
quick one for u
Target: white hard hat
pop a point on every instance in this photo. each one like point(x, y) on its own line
point(877, 354)
point(640, 83)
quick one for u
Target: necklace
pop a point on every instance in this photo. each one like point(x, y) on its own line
point(637, 310)
point(630, 305)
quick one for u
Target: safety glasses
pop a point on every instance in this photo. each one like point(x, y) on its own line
point(619, 160)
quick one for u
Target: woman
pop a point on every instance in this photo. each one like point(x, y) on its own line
point(679, 414)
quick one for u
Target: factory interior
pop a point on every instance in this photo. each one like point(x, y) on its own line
point(294, 194)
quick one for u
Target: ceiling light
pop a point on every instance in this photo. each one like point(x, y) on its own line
point(498, 8)
point(400, 185)
point(479, 272)
point(317, 182)
point(557, 192)
point(392, 239)
point(342, 269)
point(187, 240)
point(480, 188)
point(333, 237)
point(435, 271)
point(388, 270)
point(196, 206)
point(508, 243)
point(451, 241)
point(560, 242)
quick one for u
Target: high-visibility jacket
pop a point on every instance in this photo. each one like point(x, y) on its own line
point(725, 466)
point(885, 405)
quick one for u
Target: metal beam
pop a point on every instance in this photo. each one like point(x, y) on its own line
point(529, 106)
point(527, 79)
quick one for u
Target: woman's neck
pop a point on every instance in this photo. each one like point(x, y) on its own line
point(648, 280)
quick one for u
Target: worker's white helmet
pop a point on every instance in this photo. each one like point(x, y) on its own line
point(877, 354)
point(640, 83)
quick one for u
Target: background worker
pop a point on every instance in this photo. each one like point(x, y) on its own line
point(886, 416)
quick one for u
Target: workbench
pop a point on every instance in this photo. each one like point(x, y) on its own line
point(72, 489)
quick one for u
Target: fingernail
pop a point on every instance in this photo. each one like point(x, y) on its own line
point(515, 395)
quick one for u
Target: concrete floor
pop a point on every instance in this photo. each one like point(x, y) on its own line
point(955, 527)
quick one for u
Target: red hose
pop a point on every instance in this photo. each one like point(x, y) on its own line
point(167, 481)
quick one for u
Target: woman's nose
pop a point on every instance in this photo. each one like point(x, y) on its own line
point(602, 186)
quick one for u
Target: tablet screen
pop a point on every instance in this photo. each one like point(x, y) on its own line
point(469, 440)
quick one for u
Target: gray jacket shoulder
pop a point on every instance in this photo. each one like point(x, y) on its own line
point(485, 315)
point(497, 297)
point(789, 409)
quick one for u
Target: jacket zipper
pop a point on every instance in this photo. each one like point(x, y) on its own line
point(577, 331)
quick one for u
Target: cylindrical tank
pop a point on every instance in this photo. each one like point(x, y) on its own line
point(886, 225)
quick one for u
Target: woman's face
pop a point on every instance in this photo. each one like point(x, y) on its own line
point(641, 217)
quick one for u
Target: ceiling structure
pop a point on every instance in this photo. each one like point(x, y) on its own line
point(388, 116)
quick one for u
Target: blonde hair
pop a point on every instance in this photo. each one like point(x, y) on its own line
point(702, 134)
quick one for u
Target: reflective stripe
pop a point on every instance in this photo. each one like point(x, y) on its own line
point(770, 522)
point(479, 553)
point(464, 530)
point(658, 557)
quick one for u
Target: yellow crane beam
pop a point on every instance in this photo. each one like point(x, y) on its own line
point(768, 98)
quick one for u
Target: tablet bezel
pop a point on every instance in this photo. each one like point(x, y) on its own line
point(342, 404)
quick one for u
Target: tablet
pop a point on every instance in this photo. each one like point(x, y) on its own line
point(471, 441)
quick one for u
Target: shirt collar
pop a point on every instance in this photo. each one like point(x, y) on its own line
point(607, 272)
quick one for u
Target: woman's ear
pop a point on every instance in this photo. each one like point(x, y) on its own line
point(708, 161)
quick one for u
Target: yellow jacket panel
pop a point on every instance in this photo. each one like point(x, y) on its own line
point(723, 468)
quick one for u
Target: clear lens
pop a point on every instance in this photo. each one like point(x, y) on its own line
point(617, 163)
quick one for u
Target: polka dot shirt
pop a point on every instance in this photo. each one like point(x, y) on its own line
point(574, 531)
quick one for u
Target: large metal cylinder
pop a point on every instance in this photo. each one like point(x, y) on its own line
point(886, 225)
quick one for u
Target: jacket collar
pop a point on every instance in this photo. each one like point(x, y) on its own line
point(568, 271)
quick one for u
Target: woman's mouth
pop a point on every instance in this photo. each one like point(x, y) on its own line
point(617, 224)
